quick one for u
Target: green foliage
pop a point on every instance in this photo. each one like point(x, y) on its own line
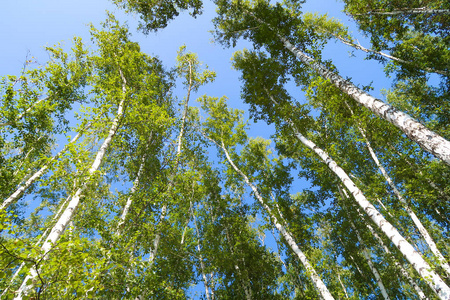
point(162, 215)
point(155, 14)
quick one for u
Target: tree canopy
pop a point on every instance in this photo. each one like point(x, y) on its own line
point(121, 179)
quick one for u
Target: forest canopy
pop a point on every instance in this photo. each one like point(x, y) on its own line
point(122, 179)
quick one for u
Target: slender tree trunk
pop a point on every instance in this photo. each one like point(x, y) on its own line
point(298, 284)
point(187, 225)
point(404, 11)
point(16, 195)
point(427, 139)
point(386, 249)
point(177, 161)
point(212, 285)
point(374, 270)
point(385, 55)
point(70, 210)
point(135, 186)
point(372, 267)
point(19, 117)
point(202, 264)
point(372, 287)
point(323, 290)
point(37, 244)
point(342, 285)
point(417, 261)
point(243, 280)
point(423, 231)
point(397, 264)
point(421, 266)
point(356, 265)
point(367, 255)
point(417, 169)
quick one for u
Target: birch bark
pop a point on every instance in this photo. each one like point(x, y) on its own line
point(19, 117)
point(70, 210)
point(427, 139)
point(5, 291)
point(423, 231)
point(372, 267)
point(402, 61)
point(202, 264)
point(419, 10)
point(243, 279)
point(397, 264)
point(16, 195)
point(419, 264)
point(323, 290)
point(417, 261)
point(135, 186)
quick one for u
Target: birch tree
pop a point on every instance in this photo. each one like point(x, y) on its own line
point(219, 112)
point(278, 105)
point(234, 21)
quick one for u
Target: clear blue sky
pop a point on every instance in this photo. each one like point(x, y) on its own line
point(31, 25)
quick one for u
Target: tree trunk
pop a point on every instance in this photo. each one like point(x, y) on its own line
point(404, 11)
point(19, 117)
point(372, 267)
point(420, 265)
point(202, 265)
point(385, 55)
point(243, 279)
point(177, 162)
point(397, 264)
point(386, 249)
point(323, 290)
point(427, 139)
point(127, 206)
point(70, 210)
point(16, 195)
point(423, 231)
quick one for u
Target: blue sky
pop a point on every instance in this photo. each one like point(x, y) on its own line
point(29, 26)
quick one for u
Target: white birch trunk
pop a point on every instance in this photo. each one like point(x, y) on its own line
point(419, 264)
point(423, 231)
point(70, 210)
point(127, 206)
point(397, 264)
point(417, 261)
point(342, 285)
point(403, 11)
point(179, 146)
point(372, 267)
point(417, 169)
point(388, 252)
point(212, 285)
point(372, 287)
point(202, 265)
point(323, 290)
point(243, 281)
point(55, 217)
point(19, 117)
point(427, 139)
point(21, 164)
point(16, 195)
point(402, 61)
